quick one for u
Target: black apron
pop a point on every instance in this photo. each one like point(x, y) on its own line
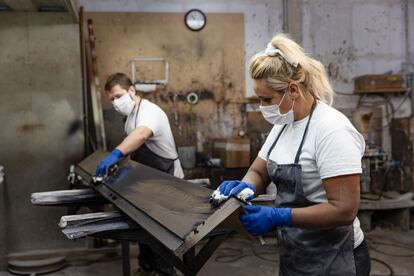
point(307, 251)
point(147, 157)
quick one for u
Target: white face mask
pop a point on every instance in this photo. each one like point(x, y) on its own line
point(124, 104)
point(272, 114)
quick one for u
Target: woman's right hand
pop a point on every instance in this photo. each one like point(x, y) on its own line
point(232, 188)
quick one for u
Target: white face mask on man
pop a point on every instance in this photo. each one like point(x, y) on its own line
point(271, 113)
point(124, 104)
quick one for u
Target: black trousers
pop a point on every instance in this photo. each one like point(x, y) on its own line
point(362, 259)
point(150, 261)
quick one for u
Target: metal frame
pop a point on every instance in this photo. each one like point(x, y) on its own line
point(190, 263)
point(134, 63)
point(115, 225)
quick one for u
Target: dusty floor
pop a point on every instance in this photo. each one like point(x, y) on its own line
point(392, 253)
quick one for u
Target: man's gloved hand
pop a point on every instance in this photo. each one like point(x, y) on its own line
point(108, 162)
point(261, 219)
point(232, 188)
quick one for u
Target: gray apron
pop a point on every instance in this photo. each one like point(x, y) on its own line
point(147, 157)
point(307, 251)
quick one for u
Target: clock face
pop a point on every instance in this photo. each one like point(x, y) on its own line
point(195, 20)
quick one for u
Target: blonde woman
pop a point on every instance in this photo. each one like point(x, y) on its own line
point(313, 155)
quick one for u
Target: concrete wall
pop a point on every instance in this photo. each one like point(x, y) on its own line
point(357, 37)
point(350, 38)
point(40, 87)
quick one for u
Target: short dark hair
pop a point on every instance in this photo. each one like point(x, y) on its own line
point(118, 78)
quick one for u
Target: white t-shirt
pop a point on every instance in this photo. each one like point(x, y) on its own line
point(161, 143)
point(332, 147)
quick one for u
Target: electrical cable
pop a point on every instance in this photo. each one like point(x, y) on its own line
point(230, 254)
point(384, 264)
point(395, 165)
point(234, 254)
point(374, 246)
point(387, 102)
point(261, 254)
point(382, 186)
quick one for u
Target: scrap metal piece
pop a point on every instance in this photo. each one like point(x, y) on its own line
point(79, 226)
point(77, 220)
point(78, 232)
point(65, 197)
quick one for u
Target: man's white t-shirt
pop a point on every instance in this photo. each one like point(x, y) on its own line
point(332, 147)
point(161, 143)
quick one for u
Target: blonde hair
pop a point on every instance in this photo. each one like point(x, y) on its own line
point(277, 73)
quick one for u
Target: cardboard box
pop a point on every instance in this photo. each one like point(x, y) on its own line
point(234, 153)
point(379, 84)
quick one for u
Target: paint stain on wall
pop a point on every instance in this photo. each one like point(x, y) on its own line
point(30, 127)
point(340, 63)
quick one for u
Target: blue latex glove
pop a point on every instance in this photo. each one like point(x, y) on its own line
point(262, 219)
point(232, 188)
point(110, 160)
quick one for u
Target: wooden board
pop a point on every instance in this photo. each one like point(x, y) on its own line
point(211, 58)
point(210, 63)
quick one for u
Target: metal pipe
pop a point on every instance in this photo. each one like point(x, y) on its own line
point(3, 230)
point(405, 8)
point(285, 16)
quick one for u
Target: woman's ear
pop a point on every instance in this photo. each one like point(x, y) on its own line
point(293, 91)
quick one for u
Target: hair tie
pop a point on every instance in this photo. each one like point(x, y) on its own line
point(272, 51)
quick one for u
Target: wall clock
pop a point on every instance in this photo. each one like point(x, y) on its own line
point(195, 20)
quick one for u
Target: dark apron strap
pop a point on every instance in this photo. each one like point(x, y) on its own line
point(136, 114)
point(305, 132)
point(303, 137)
point(274, 143)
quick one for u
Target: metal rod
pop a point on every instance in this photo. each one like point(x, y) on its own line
point(126, 266)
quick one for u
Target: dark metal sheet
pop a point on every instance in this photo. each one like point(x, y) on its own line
point(87, 167)
point(169, 239)
point(177, 204)
point(174, 211)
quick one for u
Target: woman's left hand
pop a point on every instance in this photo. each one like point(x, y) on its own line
point(261, 219)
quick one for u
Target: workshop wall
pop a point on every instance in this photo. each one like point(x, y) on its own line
point(262, 18)
point(41, 107)
point(214, 63)
point(208, 63)
point(358, 37)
